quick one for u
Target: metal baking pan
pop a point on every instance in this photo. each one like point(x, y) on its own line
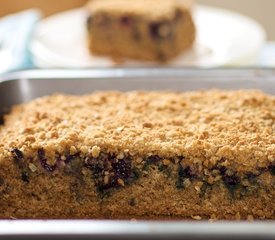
point(24, 86)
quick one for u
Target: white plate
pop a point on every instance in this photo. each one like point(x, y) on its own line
point(223, 38)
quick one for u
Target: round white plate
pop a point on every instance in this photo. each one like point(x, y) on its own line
point(223, 38)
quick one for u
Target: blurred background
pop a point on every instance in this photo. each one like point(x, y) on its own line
point(47, 6)
point(42, 42)
point(260, 10)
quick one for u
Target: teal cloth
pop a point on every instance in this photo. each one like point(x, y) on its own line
point(15, 34)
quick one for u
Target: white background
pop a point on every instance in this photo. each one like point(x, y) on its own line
point(261, 10)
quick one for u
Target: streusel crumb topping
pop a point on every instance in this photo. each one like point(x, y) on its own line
point(204, 127)
point(162, 8)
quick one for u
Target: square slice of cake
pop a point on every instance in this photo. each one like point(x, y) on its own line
point(154, 30)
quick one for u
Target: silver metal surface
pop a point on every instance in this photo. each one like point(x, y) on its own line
point(91, 229)
point(22, 87)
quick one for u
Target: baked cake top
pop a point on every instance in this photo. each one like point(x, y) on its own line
point(205, 127)
point(150, 8)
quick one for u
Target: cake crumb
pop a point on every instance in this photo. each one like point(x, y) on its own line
point(166, 162)
point(32, 167)
point(198, 218)
point(95, 151)
point(187, 183)
point(238, 216)
point(250, 218)
point(119, 129)
point(147, 125)
point(121, 182)
point(120, 156)
point(106, 179)
point(73, 150)
point(139, 160)
point(84, 149)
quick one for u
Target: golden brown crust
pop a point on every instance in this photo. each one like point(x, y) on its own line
point(162, 9)
point(215, 147)
point(237, 126)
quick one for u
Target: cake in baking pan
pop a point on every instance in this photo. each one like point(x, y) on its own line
point(144, 155)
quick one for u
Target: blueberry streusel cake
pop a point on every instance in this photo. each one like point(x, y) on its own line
point(156, 155)
point(155, 30)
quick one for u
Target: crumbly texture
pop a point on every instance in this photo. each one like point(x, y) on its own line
point(153, 30)
point(144, 155)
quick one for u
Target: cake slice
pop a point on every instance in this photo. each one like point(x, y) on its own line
point(144, 155)
point(154, 30)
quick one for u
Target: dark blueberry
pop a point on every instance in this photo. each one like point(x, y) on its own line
point(46, 166)
point(126, 21)
point(100, 187)
point(17, 154)
point(43, 161)
point(132, 202)
point(154, 27)
point(272, 169)
point(222, 170)
point(183, 173)
point(204, 189)
point(180, 184)
point(94, 165)
point(41, 153)
point(251, 176)
point(123, 168)
point(262, 170)
point(73, 164)
point(112, 182)
point(70, 158)
point(160, 30)
point(136, 173)
point(153, 159)
point(162, 168)
point(180, 176)
point(2, 181)
point(25, 177)
point(231, 180)
point(118, 170)
point(103, 194)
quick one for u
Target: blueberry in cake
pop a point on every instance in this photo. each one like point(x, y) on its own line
point(144, 155)
point(154, 30)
